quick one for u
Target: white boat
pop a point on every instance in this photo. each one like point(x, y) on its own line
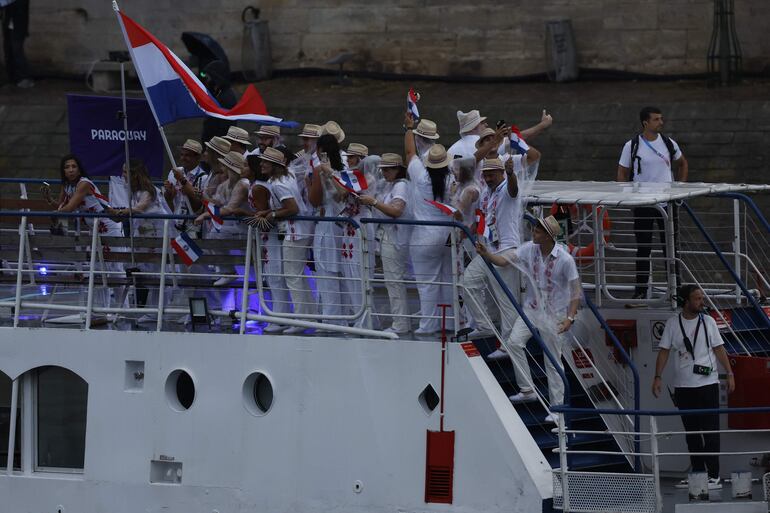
point(116, 416)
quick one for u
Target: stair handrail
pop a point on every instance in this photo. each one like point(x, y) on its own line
point(750, 203)
point(631, 364)
point(714, 246)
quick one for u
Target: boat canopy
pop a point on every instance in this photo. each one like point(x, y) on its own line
point(627, 193)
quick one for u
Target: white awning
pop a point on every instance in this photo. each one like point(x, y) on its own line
point(627, 193)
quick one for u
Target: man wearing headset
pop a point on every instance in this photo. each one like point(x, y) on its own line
point(697, 346)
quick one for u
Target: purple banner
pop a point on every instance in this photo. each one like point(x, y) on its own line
point(97, 136)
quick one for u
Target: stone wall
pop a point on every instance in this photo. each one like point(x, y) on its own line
point(429, 37)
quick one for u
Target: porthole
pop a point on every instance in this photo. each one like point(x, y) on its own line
point(428, 399)
point(180, 390)
point(258, 394)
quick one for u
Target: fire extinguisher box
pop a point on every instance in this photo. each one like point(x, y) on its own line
point(752, 382)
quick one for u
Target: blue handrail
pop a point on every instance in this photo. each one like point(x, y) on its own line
point(665, 413)
point(631, 364)
point(738, 281)
point(750, 203)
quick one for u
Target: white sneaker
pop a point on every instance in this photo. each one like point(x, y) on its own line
point(273, 328)
point(147, 318)
point(420, 331)
point(684, 483)
point(498, 354)
point(223, 281)
point(393, 330)
point(715, 483)
point(523, 397)
point(294, 330)
point(552, 418)
point(480, 333)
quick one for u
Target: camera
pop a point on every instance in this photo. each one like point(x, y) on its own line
point(701, 370)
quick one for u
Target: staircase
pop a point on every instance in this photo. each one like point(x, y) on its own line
point(533, 415)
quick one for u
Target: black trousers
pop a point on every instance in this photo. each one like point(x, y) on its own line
point(15, 28)
point(645, 219)
point(697, 398)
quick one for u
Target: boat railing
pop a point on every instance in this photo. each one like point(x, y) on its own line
point(642, 491)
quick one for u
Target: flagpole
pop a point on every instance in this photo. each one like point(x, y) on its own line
point(141, 80)
point(128, 167)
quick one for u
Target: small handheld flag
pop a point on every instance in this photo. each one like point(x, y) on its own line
point(517, 141)
point(216, 219)
point(443, 207)
point(411, 103)
point(482, 230)
point(353, 181)
point(186, 248)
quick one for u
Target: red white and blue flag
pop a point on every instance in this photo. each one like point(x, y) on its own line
point(216, 219)
point(443, 207)
point(482, 230)
point(186, 248)
point(411, 103)
point(517, 141)
point(174, 92)
point(353, 180)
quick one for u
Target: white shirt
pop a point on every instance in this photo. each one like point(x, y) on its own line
point(655, 161)
point(422, 190)
point(282, 188)
point(554, 278)
point(399, 234)
point(704, 352)
point(503, 216)
point(465, 147)
point(181, 204)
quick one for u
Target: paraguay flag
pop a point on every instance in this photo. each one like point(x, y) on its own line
point(216, 219)
point(411, 103)
point(482, 230)
point(353, 180)
point(443, 207)
point(186, 248)
point(517, 141)
point(174, 92)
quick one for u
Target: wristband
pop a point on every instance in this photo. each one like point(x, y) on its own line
point(375, 202)
point(657, 377)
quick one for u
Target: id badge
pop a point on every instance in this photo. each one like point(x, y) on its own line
point(494, 238)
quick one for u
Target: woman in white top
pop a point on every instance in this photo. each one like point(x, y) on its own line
point(270, 246)
point(394, 245)
point(231, 195)
point(329, 200)
point(431, 258)
point(286, 201)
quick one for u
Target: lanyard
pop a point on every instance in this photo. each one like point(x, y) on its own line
point(655, 151)
point(690, 346)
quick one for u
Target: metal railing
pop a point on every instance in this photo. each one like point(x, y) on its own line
point(642, 492)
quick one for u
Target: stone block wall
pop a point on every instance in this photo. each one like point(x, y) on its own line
point(428, 37)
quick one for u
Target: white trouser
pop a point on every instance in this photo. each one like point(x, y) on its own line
point(351, 270)
point(477, 279)
point(294, 258)
point(516, 344)
point(432, 263)
point(273, 269)
point(394, 259)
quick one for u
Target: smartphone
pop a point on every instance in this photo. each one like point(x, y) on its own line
point(323, 157)
point(46, 184)
point(500, 123)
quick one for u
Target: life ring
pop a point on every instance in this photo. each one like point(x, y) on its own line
point(584, 254)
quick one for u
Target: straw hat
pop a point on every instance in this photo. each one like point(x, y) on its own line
point(234, 161)
point(275, 156)
point(219, 145)
point(437, 157)
point(334, 129)
point(469, 120)
point(493, 165)
point(484, 133)
point(391, 160)
point(426, 128)
point(192, 145)
point(311, 131)
point(359, 150)
point(238, 135)
point(551, 226)
point(269, 131)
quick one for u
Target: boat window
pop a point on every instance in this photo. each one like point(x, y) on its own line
point(258, 394)
point(180, 390)
point(5, 423)
point(61, 406)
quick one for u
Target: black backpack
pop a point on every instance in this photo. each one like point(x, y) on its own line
point(635, 148)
